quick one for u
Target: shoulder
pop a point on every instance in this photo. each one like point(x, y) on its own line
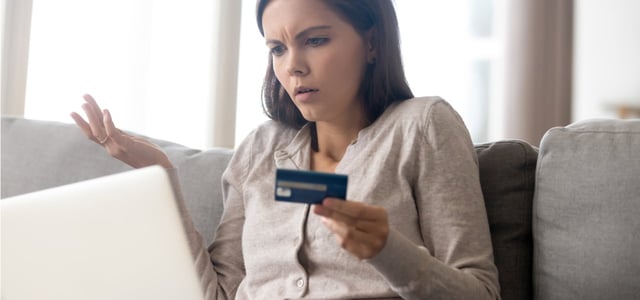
point(431, 118)
point(423, 110)
point(418, 103)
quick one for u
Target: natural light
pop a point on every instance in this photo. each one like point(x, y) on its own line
point(149, 62)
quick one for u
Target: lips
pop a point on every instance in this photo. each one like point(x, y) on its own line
point(304, 90)
point(305, 94)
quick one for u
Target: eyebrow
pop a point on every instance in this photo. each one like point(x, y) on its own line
point(301, 33)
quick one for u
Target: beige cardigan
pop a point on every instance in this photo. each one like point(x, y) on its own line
point(416, 160)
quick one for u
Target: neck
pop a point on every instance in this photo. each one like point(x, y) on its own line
point(333, 138)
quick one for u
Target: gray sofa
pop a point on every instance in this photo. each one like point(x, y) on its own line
point(564, 218)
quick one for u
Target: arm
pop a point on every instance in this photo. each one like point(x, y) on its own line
point(456, 260)
point(221, 268)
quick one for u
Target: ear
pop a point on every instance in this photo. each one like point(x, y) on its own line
point(370, 42)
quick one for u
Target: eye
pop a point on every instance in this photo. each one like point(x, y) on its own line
point(277, 50)
point(317, 41)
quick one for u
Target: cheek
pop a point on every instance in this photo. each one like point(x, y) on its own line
point(348, 70)
point(276, 70)
point(281, 74)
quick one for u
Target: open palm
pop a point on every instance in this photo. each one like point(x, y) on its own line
point(132, 150)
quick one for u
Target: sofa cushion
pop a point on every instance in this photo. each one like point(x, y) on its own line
point(586, 212)
point(507, 173)
point(42, 154)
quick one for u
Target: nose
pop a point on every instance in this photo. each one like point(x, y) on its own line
point(296, 64)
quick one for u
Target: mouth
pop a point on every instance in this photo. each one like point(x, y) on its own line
point(304, 90)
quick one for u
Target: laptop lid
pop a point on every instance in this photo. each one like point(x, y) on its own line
point(115, 237)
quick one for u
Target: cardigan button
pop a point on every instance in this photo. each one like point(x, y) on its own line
point(300, 283)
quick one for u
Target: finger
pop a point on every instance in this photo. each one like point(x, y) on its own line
point(94, 114)
point(334, 215)
point(353, 209)
point(343, 231)
point(118, 141)
point(94, 123)
point(83, 125)
point(359, 243)
point(94, 105)
point(348, 221)
point(378, 226)
point(110, 129)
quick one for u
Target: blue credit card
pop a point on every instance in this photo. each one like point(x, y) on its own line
point(308, 186)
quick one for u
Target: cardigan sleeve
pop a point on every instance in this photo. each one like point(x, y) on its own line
point(221, 266)
point(456, 259)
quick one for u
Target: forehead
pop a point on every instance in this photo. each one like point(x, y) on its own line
point(290, 16)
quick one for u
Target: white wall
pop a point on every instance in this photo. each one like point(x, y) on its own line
point(607, 56)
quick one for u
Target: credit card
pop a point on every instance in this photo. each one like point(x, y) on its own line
point(308, 186)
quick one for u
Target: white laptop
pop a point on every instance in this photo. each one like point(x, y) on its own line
point(115, 237)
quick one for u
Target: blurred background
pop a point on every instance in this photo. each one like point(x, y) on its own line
point(190, 71)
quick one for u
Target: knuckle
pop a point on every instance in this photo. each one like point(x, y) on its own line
point(114, 151)
point(349, 234)
point(384, 231)
point(368, 253)
point(343, 243)
point(378, 244)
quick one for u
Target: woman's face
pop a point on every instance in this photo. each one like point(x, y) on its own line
point(318, 58)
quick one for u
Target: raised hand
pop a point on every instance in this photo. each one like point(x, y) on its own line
point(360, 228)
point(132, 150)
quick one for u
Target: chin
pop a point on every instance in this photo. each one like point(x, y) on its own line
point(309, 117)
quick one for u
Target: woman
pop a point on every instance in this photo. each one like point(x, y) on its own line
point(414, 225)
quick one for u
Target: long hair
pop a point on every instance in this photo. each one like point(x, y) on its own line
point(384, 82)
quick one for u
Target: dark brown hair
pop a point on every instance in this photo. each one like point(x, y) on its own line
point(384, 81)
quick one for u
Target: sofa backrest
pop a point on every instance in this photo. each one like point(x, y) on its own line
point(41, 154)
point(507, 177)
point(587, 212)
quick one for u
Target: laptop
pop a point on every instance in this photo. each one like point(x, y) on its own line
point(115, 237)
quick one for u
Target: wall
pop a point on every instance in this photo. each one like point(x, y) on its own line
point(607, 56)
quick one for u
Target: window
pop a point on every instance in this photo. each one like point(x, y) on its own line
point(148, 61)
point(453, 49)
